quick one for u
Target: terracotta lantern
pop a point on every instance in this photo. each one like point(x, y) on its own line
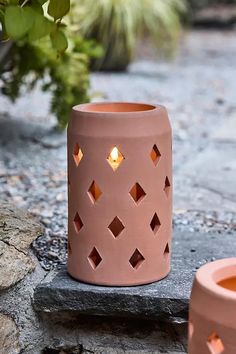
point(120, 193)
point(212, 315)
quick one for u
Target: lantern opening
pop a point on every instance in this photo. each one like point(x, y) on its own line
point(136, 259)
point(94, 192)
point(137, 193)
point(215, 344)
point(167, 250)
point(115, 107)
point(155, 155)
point(78, 224)
point(77, 154)
point(116, 227)
point(94, 258)
point(228, 283)
point(167, 187)
point(155, 223)
point(115, 158)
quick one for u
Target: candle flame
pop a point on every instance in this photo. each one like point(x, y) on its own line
point(115, 154)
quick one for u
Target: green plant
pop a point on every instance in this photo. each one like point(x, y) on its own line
point(115, 24)
point(45, 49)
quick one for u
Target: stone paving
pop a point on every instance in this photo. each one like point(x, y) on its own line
point(199, 90)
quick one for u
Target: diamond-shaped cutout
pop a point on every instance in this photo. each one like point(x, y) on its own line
point(78, 224)
point(94, 258)
point(167, 187)
point(94, 192)
point(136, 259)
point(77, 154)
point(115, 158)
point(137, 193)
point(215, 344)
point(155, 155)
point(116, 227)
point(155, 223)
point(167, 250)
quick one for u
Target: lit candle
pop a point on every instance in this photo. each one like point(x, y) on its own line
point(114, 154)
point(114, 159)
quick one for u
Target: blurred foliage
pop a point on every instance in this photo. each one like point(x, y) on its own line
point(116, 24)
point(45, 48)
point(67, 76)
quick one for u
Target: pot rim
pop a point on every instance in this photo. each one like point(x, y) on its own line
point(209, 275)
point(147, 107)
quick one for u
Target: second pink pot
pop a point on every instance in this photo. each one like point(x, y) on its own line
point(212, 314)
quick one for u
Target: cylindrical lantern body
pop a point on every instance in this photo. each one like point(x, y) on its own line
point(120, 193)
point(212, 314)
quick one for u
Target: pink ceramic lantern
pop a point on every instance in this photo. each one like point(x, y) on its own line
point(120, 193)
point(212, 314)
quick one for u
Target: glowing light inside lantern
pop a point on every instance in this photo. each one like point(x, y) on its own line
point(115, 158)
point(115, 154)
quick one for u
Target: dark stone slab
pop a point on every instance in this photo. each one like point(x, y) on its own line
point(167, 299)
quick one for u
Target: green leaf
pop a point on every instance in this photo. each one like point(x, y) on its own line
point(18, 21)
point(58, 8)
point(13, 2)
point(2, 15)
point(41, 27)
point(59, 41)
point(37, 7)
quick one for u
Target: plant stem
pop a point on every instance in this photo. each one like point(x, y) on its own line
point(24, 3)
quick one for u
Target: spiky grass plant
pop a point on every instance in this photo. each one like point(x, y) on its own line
point(116, 25)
